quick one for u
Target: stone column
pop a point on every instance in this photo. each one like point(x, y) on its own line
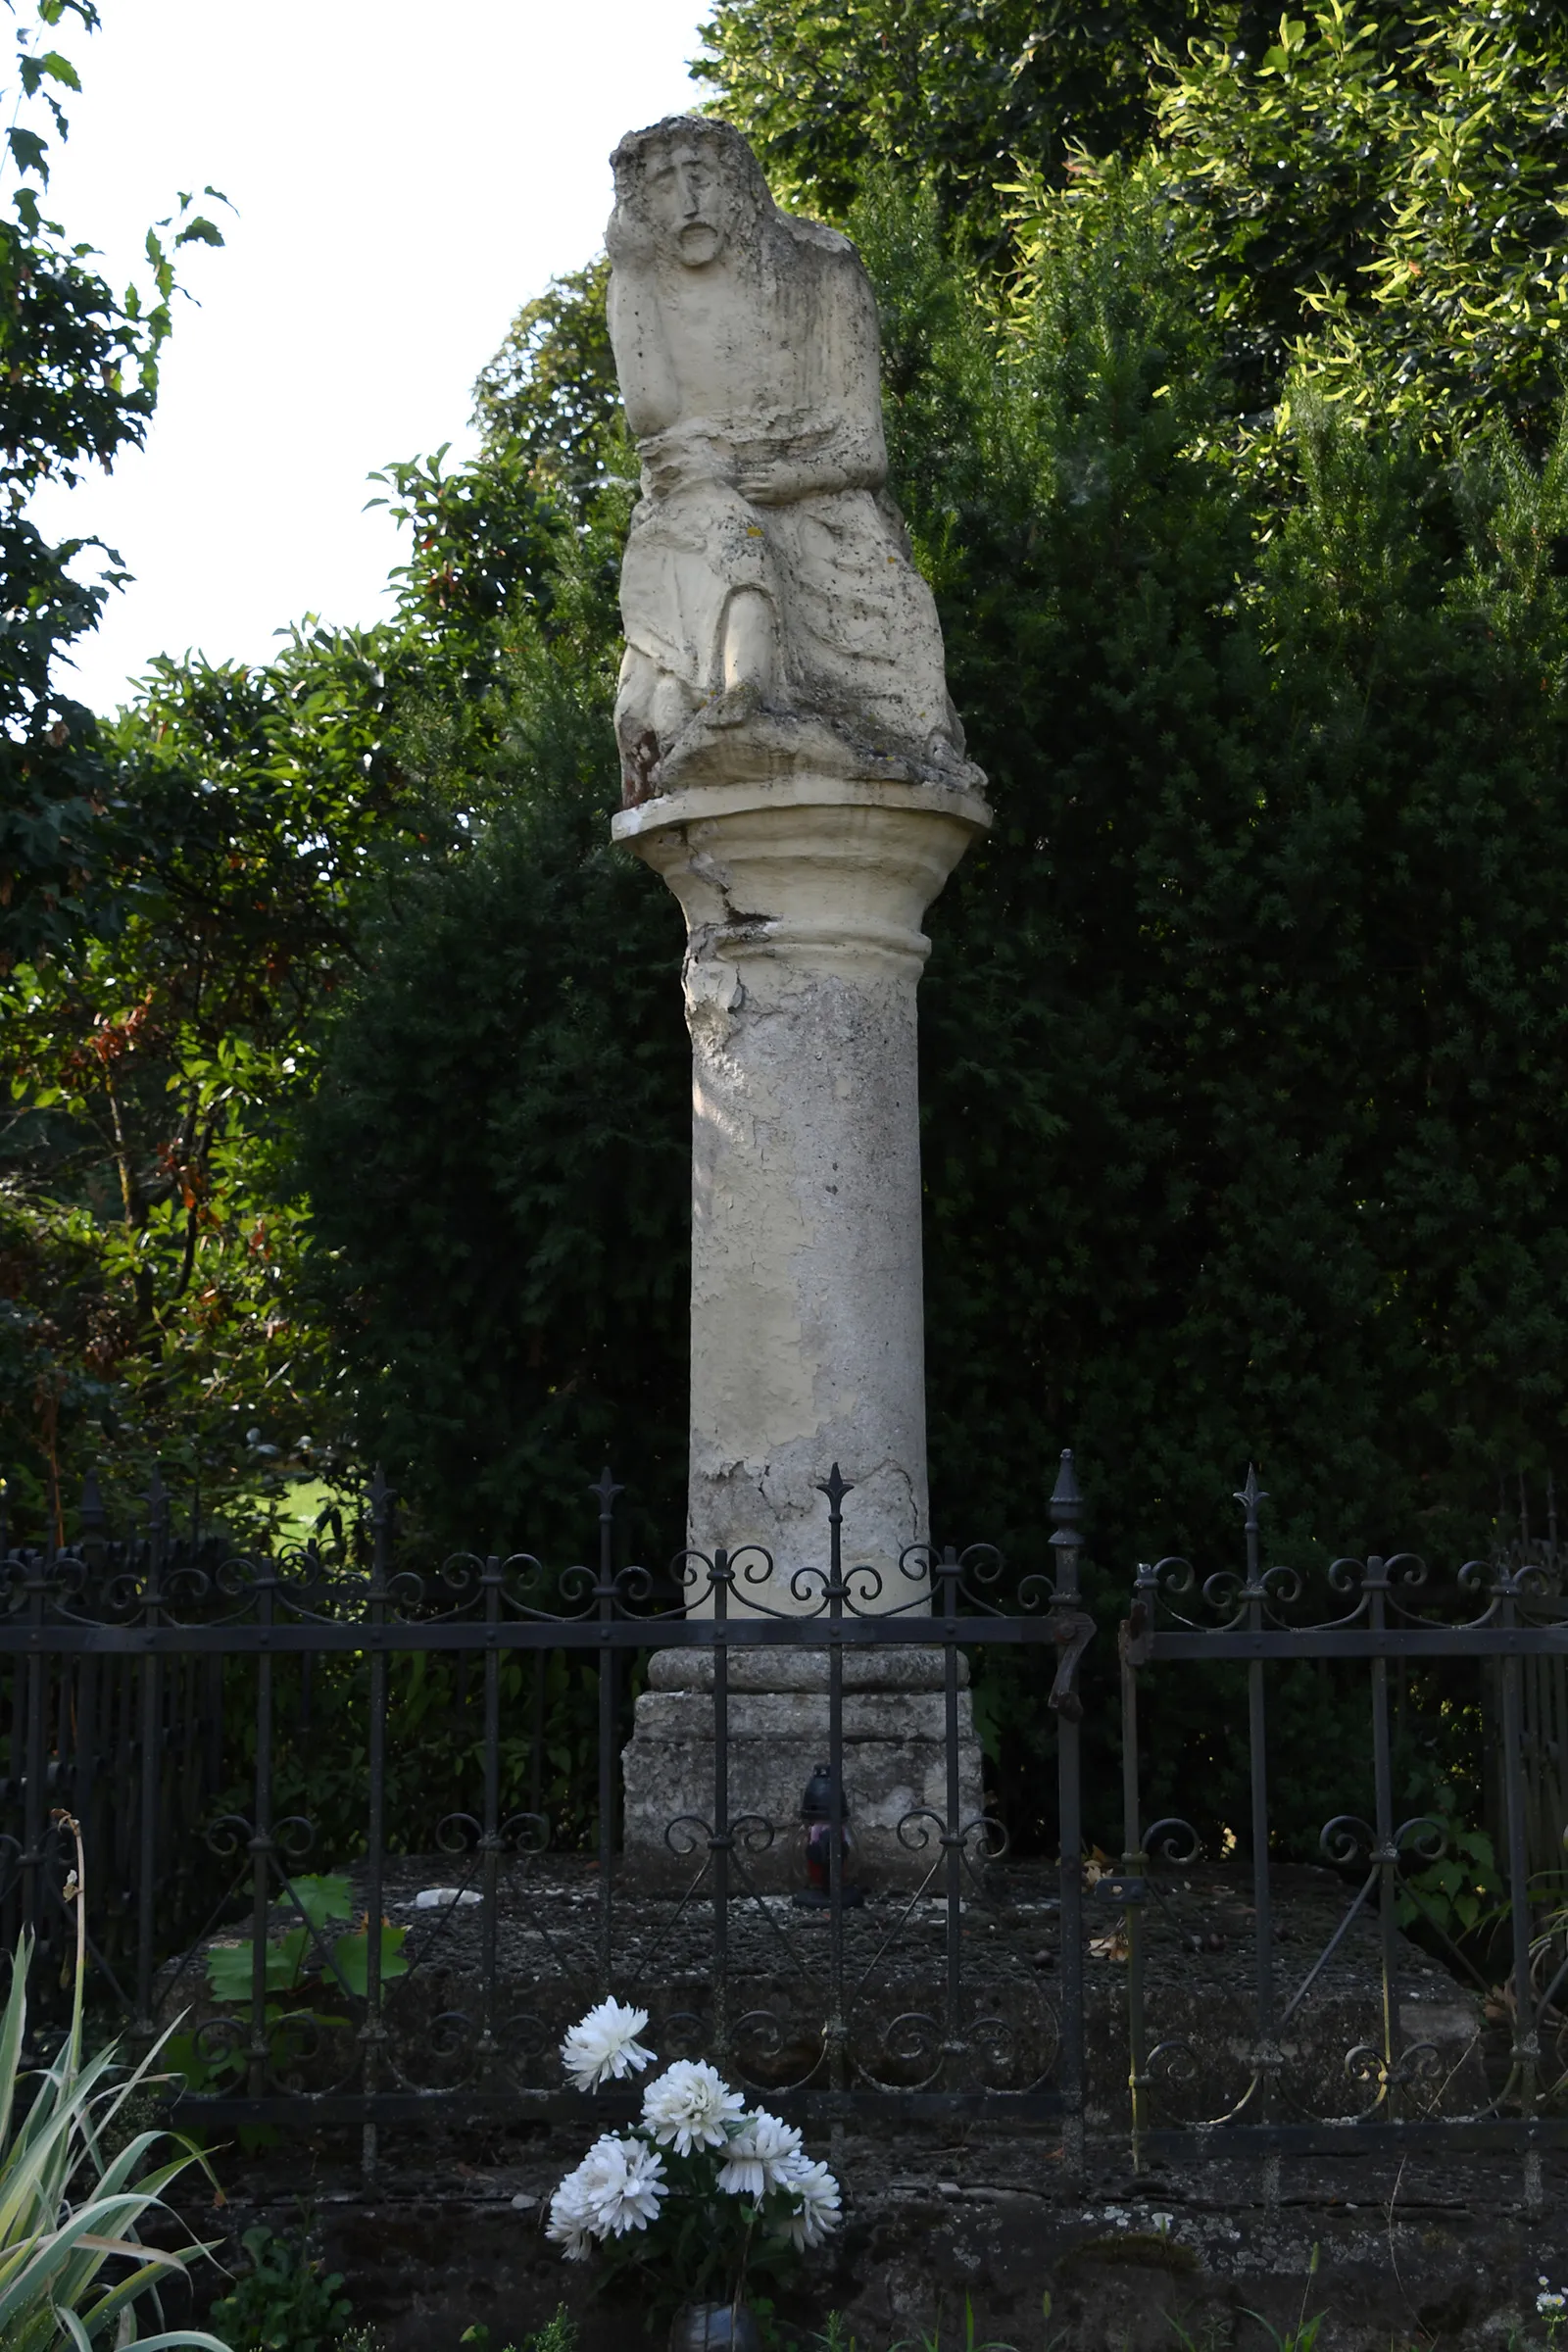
point(803, 897)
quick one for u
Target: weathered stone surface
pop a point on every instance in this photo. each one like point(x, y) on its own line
point(883, 1669)
point(775, 623)
point(894, 1772)
point(794, 771)
point(802, 905)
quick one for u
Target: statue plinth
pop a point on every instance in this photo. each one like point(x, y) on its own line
point(803, 897)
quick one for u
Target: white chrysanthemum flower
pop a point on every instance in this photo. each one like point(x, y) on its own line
point(816, 2195)
point(570, 2223)
point(604, 2048)
point(1552, 2302)
point(620, 2185)
point(690, 2106)
point(757, 2156)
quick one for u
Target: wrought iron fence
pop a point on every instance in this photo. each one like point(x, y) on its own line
point(1544, 1695)
point(165, 1692)
point(1306, 2052)
point(131, 1675)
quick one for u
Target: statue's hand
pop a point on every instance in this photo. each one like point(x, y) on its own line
point(808, 462)
point(766, 482)
point(785, 478)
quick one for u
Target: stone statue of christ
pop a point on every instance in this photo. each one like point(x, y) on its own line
point(774, 621)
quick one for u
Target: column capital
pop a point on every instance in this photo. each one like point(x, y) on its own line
point(821, 872)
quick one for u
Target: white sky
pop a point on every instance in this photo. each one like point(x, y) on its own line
point(405, 177)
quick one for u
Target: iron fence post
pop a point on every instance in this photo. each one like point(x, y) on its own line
point(1384, 1854)
point(152, 1760)
point(261, 1840)
point(34, 1808)
point(372, 2033)
point(1267, 2055)
point(1067, 1505)
point(948, 1572)
point(835, 1487)
point(1134, 1862)
point(11, 1892)
point(490, 1838)
point(1525, 2055)
point(719, 1843)
point(605, 1599)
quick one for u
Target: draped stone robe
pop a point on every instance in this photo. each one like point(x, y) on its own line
point(752, 388)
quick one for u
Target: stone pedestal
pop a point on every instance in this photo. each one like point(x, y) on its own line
point(895, 1765)
point(804, 897)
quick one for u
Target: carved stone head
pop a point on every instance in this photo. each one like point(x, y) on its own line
point(686, 189)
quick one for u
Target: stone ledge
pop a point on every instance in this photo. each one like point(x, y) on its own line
point(902, 1718)
point(701, 803)
point(805, 1670)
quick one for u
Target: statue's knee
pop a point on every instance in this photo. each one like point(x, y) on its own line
point(749, 641)
point(652, 707)
point(671, 706)
point(633, 694)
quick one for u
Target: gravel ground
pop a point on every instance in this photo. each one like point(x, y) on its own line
point(1198, 1975)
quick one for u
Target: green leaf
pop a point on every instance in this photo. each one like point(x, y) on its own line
point(229, 1970)
point(29, 150)
point(351, 1957)
point(323, 1897)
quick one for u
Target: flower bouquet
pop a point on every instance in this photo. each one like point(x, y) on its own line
point(704, 2190)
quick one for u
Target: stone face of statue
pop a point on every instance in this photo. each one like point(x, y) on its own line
point(774, 622)
point(686, 201)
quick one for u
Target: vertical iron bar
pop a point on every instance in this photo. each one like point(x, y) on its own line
point(83, 1796)
point(1066, 1503)
point(373, 2031)
point(604, 1596)
point(1135, 1865)
point(152, 1760)
point(213, 1722)
point(93, 1522)
point(1384, 1856)
point(835, 1487)
point(1268, 2053)
point(1526, 2052)
point(490, 1841)
point(34, 1809)
point(16, 1755)
point(718, 1844)
point(262, 1848)
point(948, 1572)
point(536, 1745)
point(124, 1774)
